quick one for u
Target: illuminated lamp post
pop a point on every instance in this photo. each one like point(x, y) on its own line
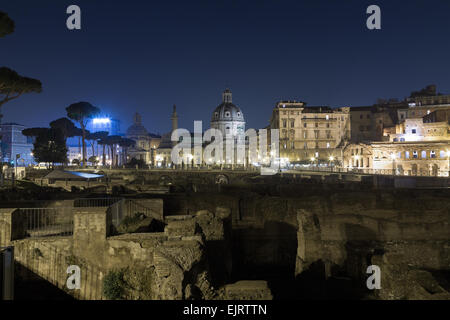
point(312, 161)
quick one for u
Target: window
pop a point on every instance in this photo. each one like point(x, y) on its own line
point(327, 117)
point(304, 125)
point(406, 154)
point(424, 154)
point(292, 123)
point(317, 125)
point(292, 134)
point(328, 125)
point(227, 114)
point(442, 154)
point(238, 114)
point(216, 115)
point(305, 146)
point(395, 139)
point(413, 131)
point(432, 154)
point(328, 134)
point(328, 144)
point(415, 154)
point(284, 123)
point(316, 134)
point(360, 116)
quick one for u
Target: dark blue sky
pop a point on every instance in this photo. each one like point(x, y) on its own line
point(140, 55)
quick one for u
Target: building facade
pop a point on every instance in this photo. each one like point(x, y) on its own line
point(15, 144)
point(145, 143)
point(311, 133)
point(418, 145)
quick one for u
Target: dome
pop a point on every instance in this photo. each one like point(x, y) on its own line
point(227, 111)
point(137, 129)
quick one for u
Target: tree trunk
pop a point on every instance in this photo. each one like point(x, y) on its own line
point(104, 160)
point(83, 140)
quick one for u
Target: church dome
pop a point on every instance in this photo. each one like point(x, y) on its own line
point(227, 111)
point(137, 129)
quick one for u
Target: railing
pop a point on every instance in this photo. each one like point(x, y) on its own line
point(46, 222)
point(95, 202)
point(52, 267)
point(129, 208)
point(397, 172)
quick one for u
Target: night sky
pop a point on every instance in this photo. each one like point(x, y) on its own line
point(145, 56)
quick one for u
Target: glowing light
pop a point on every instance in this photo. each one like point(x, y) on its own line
point(448, 153)
point(393, 156)
point(101, 120)
point(356, 157)
point(331, 158)
point(313, 159)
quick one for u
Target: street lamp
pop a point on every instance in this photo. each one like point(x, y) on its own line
point(331, 158)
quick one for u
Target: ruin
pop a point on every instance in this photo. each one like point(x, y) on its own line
point(242, 237)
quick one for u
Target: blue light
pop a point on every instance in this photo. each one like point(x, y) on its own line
point(101, 120)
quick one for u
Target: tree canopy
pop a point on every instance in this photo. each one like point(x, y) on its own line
point(66, 126)
point(13, 85)
point(6, 25)
point(50, 146)
point(81, 112)
point(33, 132)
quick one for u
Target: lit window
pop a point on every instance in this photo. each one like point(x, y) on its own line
point(415, 155)
point(432, 154)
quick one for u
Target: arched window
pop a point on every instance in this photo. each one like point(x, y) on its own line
point(227, 114)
